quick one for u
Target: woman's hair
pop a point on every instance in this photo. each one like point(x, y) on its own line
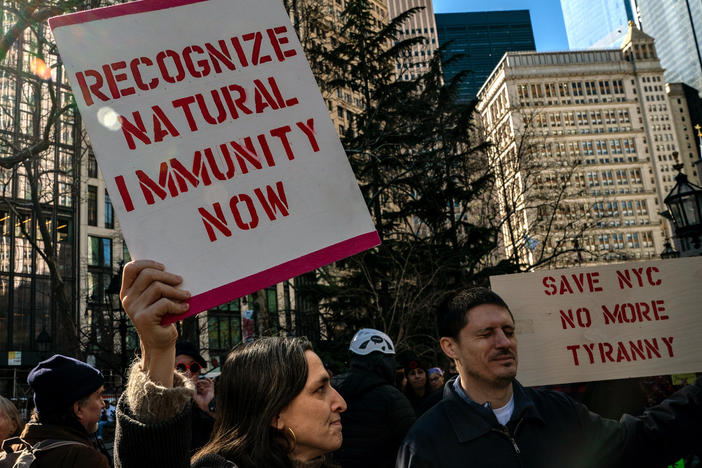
point(9, 409)
point(259, 379)
point(410, 392)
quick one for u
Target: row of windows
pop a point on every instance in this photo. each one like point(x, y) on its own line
point(628, 208)
point(609, 177)
point(24, 231)
point(656, 97)
point(587, 148)
point(641, 51)
point(573, 88)
point(658, 108)
point(569, 119)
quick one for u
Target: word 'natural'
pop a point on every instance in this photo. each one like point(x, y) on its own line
point(209, 108)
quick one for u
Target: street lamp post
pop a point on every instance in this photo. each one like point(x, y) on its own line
point(112, 292)
point(684, 201)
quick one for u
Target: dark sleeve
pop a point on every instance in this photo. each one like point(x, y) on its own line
point(165, 443)
point(401, 415)
point(663, 434)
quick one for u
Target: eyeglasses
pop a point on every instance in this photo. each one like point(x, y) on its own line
point(194, 368)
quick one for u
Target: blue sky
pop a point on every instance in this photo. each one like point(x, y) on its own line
point(546, 17)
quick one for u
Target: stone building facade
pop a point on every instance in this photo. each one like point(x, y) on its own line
point(599, 128)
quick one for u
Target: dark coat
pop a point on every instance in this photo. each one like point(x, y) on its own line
point(377, 418)
point(549, 429)
point(201, 429)
point(165, 444)
point(69, 456)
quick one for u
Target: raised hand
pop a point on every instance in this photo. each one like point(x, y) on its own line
point(148, 294)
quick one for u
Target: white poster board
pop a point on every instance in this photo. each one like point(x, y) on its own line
point(607, 322)
point(214, 142)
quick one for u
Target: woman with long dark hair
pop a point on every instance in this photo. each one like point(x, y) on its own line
point(275, 406)
point(418, 389)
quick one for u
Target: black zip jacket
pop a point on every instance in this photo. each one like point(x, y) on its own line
point(548, 429)
point(377, 419)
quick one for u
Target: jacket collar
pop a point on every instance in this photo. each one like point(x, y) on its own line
point(469, 422)
point(35, 431)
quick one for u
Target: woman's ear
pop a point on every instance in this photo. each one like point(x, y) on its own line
point(278, 423)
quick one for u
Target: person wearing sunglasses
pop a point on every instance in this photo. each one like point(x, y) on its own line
point(190, 363)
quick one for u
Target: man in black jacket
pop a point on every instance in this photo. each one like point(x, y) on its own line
point(487, 419)
point(378, 414)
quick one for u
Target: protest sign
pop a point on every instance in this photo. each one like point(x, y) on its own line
point(606, 322)
point(214, 141)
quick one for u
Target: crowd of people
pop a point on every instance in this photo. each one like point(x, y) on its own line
point(276, 404)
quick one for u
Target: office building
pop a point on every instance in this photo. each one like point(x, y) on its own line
point(599, 125)
point(599, 24)
point(421, 24)
point(676, 25)
point(480, 40)
point(39, 204)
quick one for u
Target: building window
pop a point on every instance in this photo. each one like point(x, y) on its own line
point(92, 205)
point(109, 213)
point(223, 330)
point(99, 251)
point(92, 165)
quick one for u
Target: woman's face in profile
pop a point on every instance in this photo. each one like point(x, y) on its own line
point(314, 415)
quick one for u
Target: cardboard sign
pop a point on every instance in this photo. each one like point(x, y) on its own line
point(607, 322)
point(214, 141)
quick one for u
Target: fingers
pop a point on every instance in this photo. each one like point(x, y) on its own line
point(146, 275)
point(132, 269)
point(148, 294)
point(145, 284)
point(158, 289)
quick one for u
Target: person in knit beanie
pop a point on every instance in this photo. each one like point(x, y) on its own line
point(68, 402)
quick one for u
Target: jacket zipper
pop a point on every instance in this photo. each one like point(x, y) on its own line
point(506, 433)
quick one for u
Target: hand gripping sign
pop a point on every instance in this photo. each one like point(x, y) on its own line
point(606, 322)
point(214, 142)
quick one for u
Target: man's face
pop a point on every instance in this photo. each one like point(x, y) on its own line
point(184, 364)
point(88, 413)
point(486, 348)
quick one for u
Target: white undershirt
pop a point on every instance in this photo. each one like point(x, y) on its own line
point(503, 414)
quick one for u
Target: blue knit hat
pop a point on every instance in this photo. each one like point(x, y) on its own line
point(60, 381)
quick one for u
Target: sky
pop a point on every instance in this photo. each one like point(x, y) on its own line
point(546, 17)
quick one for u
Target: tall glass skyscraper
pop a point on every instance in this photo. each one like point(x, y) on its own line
point(481, 38)
point(676, 25)
point(596, 23)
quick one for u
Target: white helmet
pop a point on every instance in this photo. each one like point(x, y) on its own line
point(368, 340)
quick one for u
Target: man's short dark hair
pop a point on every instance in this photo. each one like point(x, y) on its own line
point(452, 316)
